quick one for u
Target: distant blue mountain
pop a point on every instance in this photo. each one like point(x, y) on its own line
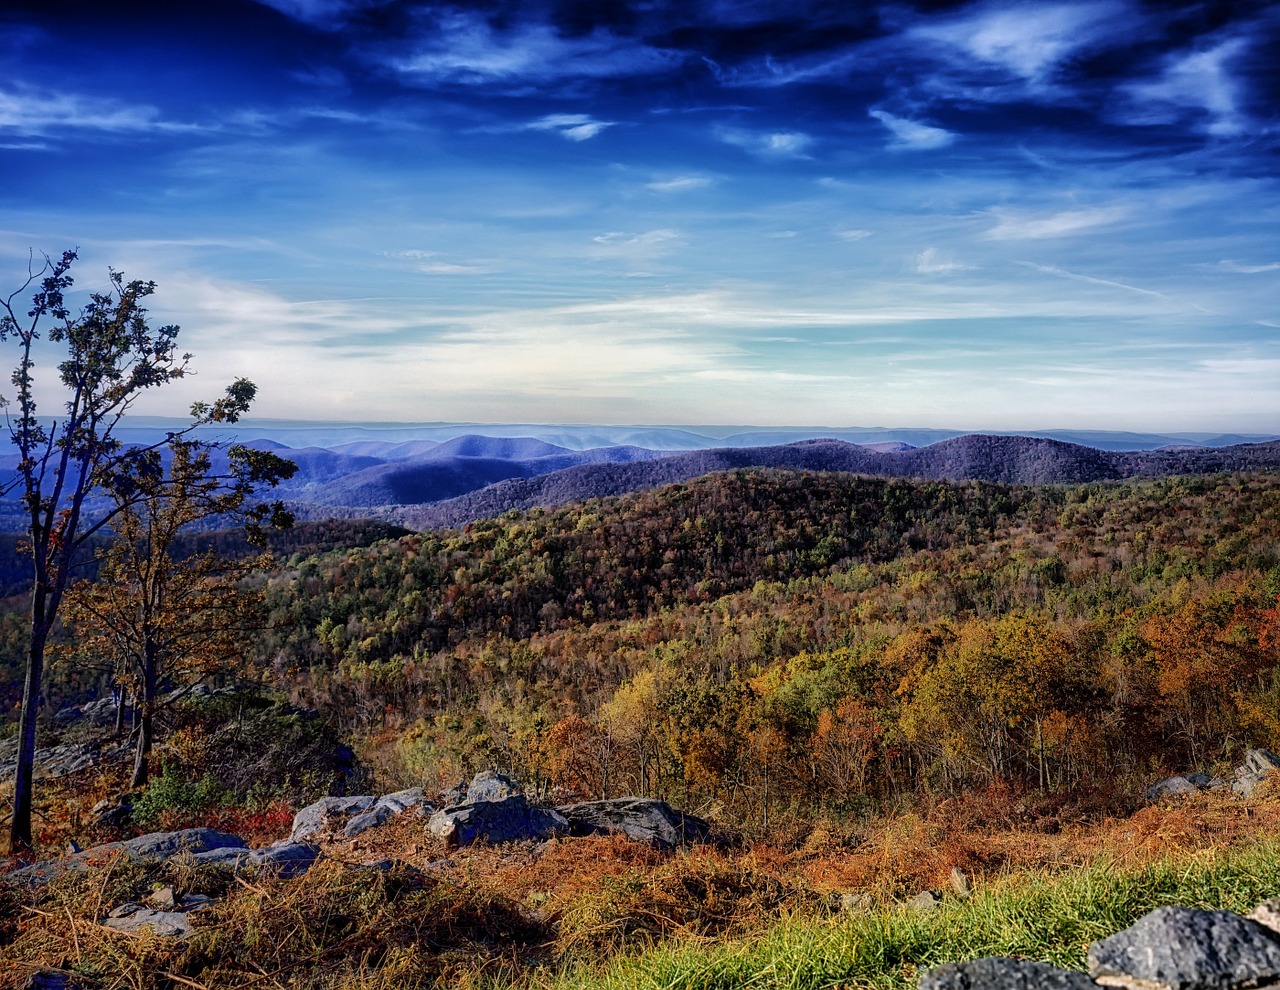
point(463, 471)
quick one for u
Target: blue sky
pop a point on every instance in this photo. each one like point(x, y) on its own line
point(962, 215)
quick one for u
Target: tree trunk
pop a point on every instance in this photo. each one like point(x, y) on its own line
point(144, 712)
point(20, 839)
point(121, 698)
point(24, 772)
point(141, 754)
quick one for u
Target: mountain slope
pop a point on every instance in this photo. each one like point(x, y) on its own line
point(1015, 460)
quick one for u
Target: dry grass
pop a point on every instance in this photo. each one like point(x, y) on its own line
point(507, 914)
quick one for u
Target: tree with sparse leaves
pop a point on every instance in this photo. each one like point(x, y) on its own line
point(169, 621)
point(110, 356)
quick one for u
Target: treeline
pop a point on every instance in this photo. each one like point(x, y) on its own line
point(773, 642)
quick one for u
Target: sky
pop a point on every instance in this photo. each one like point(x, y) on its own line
point(997, 216)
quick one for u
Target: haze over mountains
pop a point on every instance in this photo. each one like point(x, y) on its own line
point(433, 475)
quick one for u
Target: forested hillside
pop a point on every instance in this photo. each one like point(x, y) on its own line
point(762, 642)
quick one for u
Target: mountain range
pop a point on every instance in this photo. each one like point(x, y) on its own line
point(424, 482)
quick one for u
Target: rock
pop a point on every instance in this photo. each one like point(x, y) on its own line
point(169, 924)
point(125, 909)
point(1267, 914)
point(641, 819)
point(1258, 765)
point(856, 901)
point(145, 848)
point(165, 845)
point(1261, 762)
point(1191, 783)
point(496, 821)
point(386, 808)
point(959, 882)
point(50, 979)
point(926, 900)
point(1003, 974)
point(455, 795)
point(113, 812)
point(288, 859)
point(1185, 949)
point(314, 818)
point(488, 785)
point(163, 898)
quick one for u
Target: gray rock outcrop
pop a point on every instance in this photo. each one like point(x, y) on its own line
point(163, 914)
point(642, 819)
point(317, 816)
point(1181, 948)
point(361, 812)
point(286, 858)
point(1003, 974)
point(384, 809)
point(1187, 783)
point(1258, 765)
point(153, 847)
point(507, 820)
point(488, 785)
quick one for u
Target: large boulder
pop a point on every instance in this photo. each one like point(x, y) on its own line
point(166, 845)
point(1187, 783)
point(1003, 974)
point(155, 846)
point(496, 821)
point(488, 785)
point(286, 858)
point(1178, 948)
point(316, 817)
point(384, 809)
point(642, 819)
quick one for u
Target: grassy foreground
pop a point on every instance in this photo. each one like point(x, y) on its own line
point(1050, 917)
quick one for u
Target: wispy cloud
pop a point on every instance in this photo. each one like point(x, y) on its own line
point(1012, 226)
point(430, 263)
point(1093, 280)
point(571, 126)
point(649, 238)
point(856, 234)
point(1028, 39)
point(465, 48)
point(912, 135)
point(1243, 269)
point(40, 112)
point(767, 144)
point(931, 261)
point(678, 184)
point(1199, 83)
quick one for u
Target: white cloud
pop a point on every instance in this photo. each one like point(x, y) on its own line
point(767, 144)
point(429, 263)
point(911, 135)
point(571, 126)
point(467, 49)
point(931, 261)
point(39, 112)
point(1243, 269)
point(1027, 39)
point(681, 183)
point(1017, 227)
point(853, 235)
point(646, 239)
point(1199, 81)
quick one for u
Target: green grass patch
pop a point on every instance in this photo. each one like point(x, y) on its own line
point(1050, 917)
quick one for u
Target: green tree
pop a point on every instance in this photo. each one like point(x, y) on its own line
point(111, 355)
